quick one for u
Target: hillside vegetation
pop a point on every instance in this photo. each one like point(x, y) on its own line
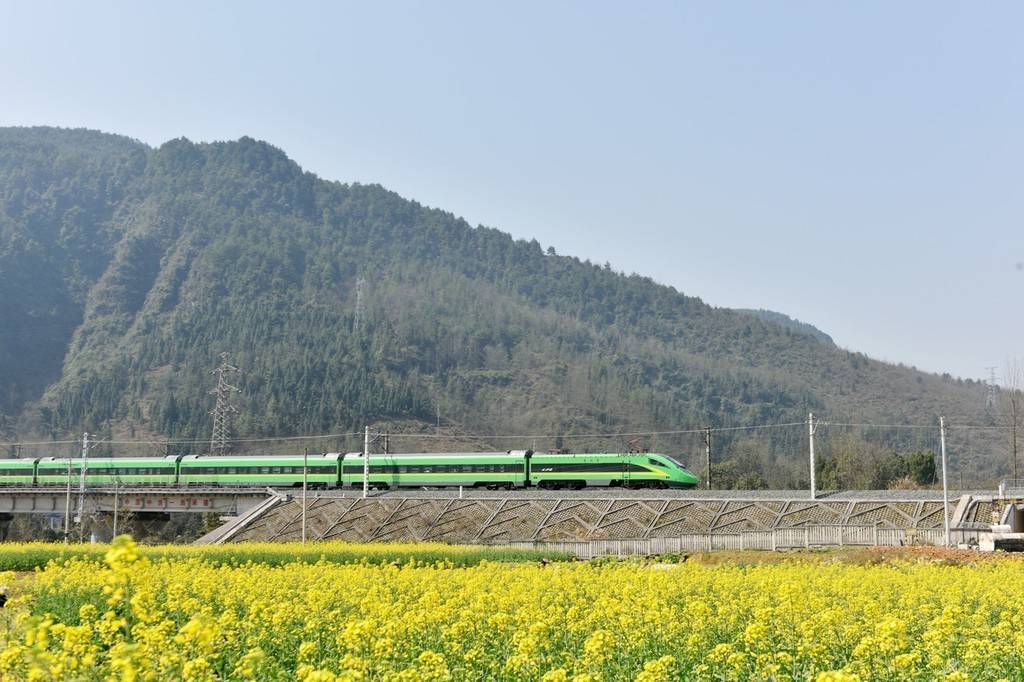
point(125, 270)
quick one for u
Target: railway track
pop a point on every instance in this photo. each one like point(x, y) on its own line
point(535, 493)
point(620, 493)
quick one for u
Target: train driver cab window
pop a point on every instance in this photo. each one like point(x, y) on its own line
point(655, 463)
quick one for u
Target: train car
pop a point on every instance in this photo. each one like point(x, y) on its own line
point(17, 471)
point(109, 470)
point(633, 470)
point(492, 470)
point(439, 469)
point(323, 470)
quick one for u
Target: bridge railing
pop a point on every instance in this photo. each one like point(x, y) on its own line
point(776, 539)
point(1011, 488)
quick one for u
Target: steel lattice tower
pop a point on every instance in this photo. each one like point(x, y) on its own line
point(358, 318)
point(223, 409)
point(993, 388)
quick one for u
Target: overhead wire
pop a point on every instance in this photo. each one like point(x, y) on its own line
point(548, 436)
point(186, 442)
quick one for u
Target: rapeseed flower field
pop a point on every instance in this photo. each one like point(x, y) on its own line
point(131, 616)
point(26, 556)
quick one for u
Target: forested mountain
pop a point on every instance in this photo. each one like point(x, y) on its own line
point(125, 270)
point(788, 322)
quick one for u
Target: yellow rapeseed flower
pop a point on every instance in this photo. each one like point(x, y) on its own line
point(151, 614)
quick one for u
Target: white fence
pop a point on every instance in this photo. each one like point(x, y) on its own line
point(777, 539)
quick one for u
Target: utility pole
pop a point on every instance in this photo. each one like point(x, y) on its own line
point(223, 409)
point(810, 432)
point(305, 476)
point(945, 489)
point(81, 486)
point(366, 462)
point(707, 454)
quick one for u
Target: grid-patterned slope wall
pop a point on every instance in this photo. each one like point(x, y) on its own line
point(512, 519)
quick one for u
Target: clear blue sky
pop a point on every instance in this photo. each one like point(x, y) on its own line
point(856, 166)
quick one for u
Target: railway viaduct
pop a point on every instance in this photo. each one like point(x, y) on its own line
point(264, 514)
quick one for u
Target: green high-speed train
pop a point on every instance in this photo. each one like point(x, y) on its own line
point(509, 470)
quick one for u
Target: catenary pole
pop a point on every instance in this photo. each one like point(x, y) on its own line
point(707, 454)
point(810, 433)
point(67, 508)
point(305, 481)
point(117, 487)
point(366, 462)
point(81, 486)
point(945, 488)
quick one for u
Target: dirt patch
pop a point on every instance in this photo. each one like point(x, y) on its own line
point(943, 555)
point(850, 555)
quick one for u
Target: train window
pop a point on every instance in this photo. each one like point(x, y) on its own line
point(655, 462)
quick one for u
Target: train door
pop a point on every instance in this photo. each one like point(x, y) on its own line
point(625, 471)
